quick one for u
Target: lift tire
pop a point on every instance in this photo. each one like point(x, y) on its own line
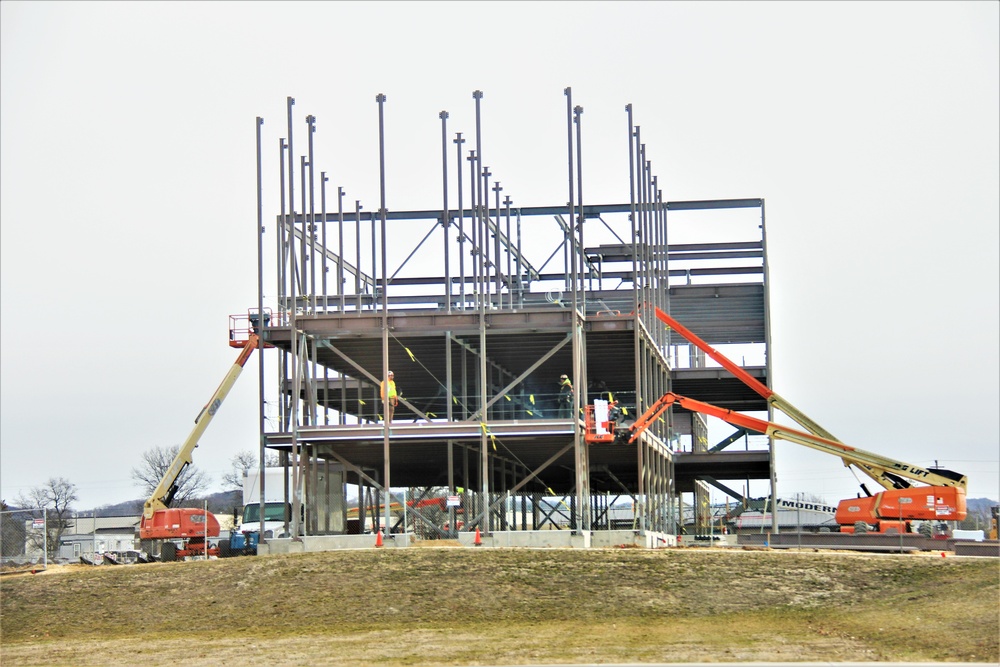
point(860, 528)
point(225, 550)
point(168, 552)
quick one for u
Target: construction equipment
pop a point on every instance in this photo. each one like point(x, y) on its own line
point(190, 525)
point(887, 511)
point(891, 510)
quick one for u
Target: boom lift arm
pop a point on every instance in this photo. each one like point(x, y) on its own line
point(884, 471)
point(163, 495)
point(763, 390)
point(887, 511)
point(887, 470)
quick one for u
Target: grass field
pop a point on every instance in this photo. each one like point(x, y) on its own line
point(462, 606)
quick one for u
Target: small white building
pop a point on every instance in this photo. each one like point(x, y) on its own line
point(87, 536)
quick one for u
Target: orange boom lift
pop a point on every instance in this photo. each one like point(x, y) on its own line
point(912, 493)
point(159, 521)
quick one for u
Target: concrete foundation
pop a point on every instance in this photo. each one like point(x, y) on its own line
point(530, 539)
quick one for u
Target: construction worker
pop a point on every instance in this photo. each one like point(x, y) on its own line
point(391, 400)
point(565, 397)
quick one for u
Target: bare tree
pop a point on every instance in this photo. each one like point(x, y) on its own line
point(154, 464)
point(54, 502)
point(242, 463)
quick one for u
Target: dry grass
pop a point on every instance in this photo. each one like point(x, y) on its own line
point(453, 606)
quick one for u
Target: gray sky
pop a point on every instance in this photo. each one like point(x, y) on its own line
point(128, 195)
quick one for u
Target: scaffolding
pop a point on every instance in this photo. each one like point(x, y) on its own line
point(478, 320)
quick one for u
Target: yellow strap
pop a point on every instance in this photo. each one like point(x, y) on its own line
point(486, 431)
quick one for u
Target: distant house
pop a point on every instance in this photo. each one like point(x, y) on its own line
point(86, 536)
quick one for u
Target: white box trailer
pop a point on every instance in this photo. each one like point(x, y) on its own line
point(323, 501)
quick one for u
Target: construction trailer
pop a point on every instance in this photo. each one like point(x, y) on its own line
point(513, 297)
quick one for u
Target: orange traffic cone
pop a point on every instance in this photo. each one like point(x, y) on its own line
point(378, 539)
point(479, 539)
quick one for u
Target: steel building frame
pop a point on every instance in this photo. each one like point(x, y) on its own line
point(477, 351)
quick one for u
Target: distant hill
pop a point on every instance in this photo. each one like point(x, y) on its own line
point(980, 504)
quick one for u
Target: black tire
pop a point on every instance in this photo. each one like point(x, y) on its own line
point(225, 550)
point(168, 552)
point(860, 528)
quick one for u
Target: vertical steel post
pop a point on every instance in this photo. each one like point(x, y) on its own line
point(448, 373)
point(282, 273)
point(323, 180)
point(571, 217)
point(303, 261)
point(484, 478)
point(634, 241)
point(510, 277)
point(291, 209)
point(340, 247)
point(767, 355)
point(474, 222)
point(305, 380)
point(357, 258)
point(261, 323)
point(311, 122)
point(380, 99)
point(326, 299)
point(294, 404)
point(445, 217)
point(640, 235)
point(496, 243)
point(374, 249)
point(578, 120)
point(342, 418)
point(452, 528)
point(647, 237)
point(579, 506)
point(480, 191)
point(458, 140)
point(661, 216)
point(580, 370)
point(484, 200)
point(654, 253)
point(650, 224)
point(520, 277)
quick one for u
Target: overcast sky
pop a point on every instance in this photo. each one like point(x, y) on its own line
point(128, 206)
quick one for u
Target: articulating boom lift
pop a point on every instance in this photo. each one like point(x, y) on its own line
point(194, 526)
point(943, 499)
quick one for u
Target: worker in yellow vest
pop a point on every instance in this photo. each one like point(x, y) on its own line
point(391, 399)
